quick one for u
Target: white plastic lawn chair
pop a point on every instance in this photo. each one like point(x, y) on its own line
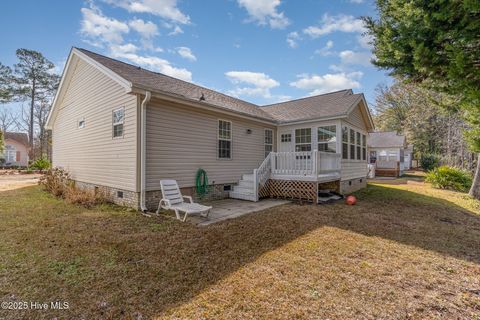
point(173, 200)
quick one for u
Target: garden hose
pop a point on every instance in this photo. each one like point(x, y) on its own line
point(201, 182)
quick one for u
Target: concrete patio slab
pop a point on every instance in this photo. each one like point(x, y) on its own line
point(233, 208)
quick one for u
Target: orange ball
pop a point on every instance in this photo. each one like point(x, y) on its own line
point(351, 200)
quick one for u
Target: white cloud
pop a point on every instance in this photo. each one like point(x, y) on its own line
point(265, 12)
point(331, 24)
point(124, 48)
point(356, 58)
point(357, 1)
point(365, 41)
point(176, 30)
point(251, 84)
point(319, 84)
point(186, 53)
point(155, 64)
point(325, 51)
point(292, 39)
point(101, 29)
point(145, 29)
point(166, 9)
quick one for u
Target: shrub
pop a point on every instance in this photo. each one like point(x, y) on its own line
point(429, 162)
point(446, 177)
point(84, 197)
point(58, 182)
point(40, 164)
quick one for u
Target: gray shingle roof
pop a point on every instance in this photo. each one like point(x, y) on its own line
point(321, 106)
point(20, 137)
point(158, 82)
point(385, 139)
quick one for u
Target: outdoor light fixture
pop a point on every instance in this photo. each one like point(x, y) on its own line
point(249, 131)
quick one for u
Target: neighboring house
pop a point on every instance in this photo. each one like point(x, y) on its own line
point(408, 157)
point(387, 152)
point(15, 149)
point(123, 128)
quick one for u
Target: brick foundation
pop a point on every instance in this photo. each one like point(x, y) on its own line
point(349, 186)
point(214, 192)
point(118, 196)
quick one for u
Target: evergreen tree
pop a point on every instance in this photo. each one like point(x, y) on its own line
point(435, 42)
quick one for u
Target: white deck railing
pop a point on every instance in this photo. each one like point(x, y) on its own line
point(308, 165)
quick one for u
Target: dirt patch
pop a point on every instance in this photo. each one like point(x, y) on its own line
point(12, 181)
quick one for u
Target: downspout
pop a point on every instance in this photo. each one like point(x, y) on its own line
point(143, 161)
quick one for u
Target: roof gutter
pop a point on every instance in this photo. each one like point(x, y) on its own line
point(143, 153)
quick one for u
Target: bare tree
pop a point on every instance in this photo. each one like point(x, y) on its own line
point(8, 119)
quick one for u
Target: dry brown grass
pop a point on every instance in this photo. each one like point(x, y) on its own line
point(399, 254)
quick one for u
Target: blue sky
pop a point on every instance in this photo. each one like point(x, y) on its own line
point(263, 51)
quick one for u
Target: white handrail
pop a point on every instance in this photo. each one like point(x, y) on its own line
point(262, 174)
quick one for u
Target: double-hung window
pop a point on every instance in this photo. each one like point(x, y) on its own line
point(327, 139)
point(303, 139)
point(364, 147)
point(359, 146)
point(10, 153)
point(118, 120)
point(344, 143)
point(352, 144)
point(224, 139)
point(268, 141)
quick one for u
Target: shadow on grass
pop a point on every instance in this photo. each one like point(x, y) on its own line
point(158, 264)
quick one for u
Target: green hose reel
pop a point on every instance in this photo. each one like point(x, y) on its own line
point(201, 182)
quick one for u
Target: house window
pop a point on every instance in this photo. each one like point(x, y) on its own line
point(118, 120)
point(224, 139)
point(303, 139)
point(286, 137)
point(81, 123)
point(392, 155)
point(345, 143)
point(268, 141)
point(382, 155)
point(359, 143)
point(327, 139)
point(352, 144)
point(10, 154)
point(364, 147)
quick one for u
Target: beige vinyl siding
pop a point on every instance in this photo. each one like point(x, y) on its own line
point(352, 169)
point(90, 154)
point(180, 140)
point(356, 119)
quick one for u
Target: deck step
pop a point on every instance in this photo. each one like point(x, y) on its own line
point(246, 183)
point(242, 196)
point(248, 177)
point(243, 189)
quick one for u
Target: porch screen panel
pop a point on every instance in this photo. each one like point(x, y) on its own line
point(327, 139)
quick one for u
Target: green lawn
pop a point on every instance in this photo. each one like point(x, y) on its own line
point(404, 251)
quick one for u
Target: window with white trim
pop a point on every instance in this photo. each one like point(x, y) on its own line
point(327, 138)
point(352, 144)
point(359, 146)
point(224, 139)
point(268, 141)
point(118, 120)
point(286, 137)
point(303, 139)
point(10, 153)
point(344, 143)
point(364, 147)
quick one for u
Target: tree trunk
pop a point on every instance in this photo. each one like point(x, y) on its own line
point(30, 129)
point(475, 189)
